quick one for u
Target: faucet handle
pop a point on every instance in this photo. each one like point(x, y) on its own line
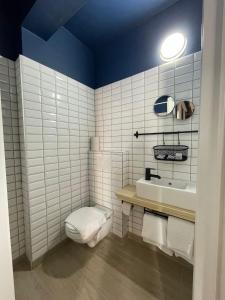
point(148, 173)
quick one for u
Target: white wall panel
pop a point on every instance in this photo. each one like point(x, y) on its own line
point(123, 107)
point(57, 120)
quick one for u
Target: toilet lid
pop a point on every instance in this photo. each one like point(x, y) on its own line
point(107, 211)
point(87, 221)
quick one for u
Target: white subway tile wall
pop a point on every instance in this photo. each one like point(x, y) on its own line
point(123, 107)
point(12, 155)
point(57, 117)
point(56, 121)
point(108, 173)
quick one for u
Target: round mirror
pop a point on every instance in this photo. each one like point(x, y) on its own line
point(184, 110)
point(164, 105)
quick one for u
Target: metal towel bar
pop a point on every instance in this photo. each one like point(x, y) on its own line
point(137, 134)
point(156, 213)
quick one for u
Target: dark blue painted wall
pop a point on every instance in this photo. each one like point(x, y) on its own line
point(138, 50)
point(128, 54)
point(10, 38)
point(62, 52)
point(12, 14)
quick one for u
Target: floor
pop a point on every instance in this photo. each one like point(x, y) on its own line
point(116, 269)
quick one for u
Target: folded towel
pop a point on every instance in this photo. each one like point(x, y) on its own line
point(179, 156)
point(86, 221)
point(154, 231)
point(162, 248)
point(177, 254)
point(126, 207)
point(180, 237)
point(161, 156)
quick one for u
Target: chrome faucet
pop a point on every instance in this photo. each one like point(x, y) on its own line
point(148, 174)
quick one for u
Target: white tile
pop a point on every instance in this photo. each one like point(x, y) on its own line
point(121, 108)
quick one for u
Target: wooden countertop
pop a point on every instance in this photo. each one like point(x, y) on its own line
point(128, 194)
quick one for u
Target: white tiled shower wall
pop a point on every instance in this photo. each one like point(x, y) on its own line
point(123, 107)
point(12, 154)
point(56, 121)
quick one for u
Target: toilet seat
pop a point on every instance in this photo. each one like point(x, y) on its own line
point(89, 224)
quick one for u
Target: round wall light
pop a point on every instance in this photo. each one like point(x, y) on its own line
point(173, 46)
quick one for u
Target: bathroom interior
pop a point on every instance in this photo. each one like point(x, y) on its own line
point(101, 109)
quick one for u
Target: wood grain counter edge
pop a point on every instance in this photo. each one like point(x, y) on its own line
point(128, 194)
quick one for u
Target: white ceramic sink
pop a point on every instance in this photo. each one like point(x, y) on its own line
point(174, 192)
point(176, 184)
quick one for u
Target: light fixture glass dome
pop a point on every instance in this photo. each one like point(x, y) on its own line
point(173, 46)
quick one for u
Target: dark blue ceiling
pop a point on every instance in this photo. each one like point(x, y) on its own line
point(46, 17)
point(99, 21)
point(94, 22)
point(96, 41)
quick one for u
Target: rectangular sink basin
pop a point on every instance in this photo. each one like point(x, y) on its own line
point(173, 192)
point(177, 184)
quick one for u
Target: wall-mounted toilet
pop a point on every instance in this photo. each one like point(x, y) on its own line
point(89, 225)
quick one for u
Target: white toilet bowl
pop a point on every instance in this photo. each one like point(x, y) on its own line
point(89, 225)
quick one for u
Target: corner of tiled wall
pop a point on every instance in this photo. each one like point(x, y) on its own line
point(57, 120)
point(12, 155)
point(23, 160)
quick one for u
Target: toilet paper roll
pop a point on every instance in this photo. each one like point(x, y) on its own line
point(95, 144)
point(126, 208)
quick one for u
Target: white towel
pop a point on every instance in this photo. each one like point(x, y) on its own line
point(154, 231)
point(180, 237)
point(86, 221)
point(126, 207)
point(95, 144)
point(177, 254)
point(162, 248)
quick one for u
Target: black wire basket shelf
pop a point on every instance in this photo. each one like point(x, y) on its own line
point(171, 152)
